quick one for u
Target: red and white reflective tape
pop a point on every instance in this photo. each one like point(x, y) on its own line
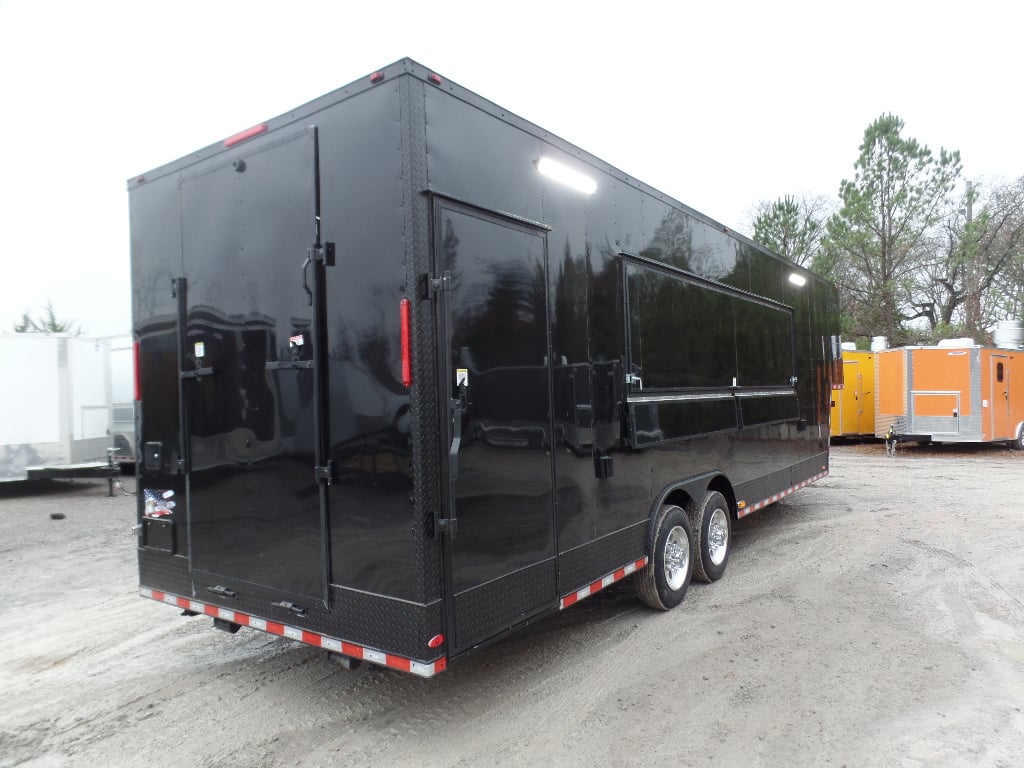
point(600, 584)
point(781, 495)
point(380, 658)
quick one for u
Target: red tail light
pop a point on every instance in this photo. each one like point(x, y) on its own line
point(405, 313)
point(136, 351)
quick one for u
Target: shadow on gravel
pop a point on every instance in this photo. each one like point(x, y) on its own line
point(24, 488)
point(930, 450)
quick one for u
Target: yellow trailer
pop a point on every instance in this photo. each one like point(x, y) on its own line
point(853, 406)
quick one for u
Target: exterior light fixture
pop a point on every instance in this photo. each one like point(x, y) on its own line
point(565, 175)
point(797, 279)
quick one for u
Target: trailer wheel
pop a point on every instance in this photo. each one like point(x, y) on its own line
point(712, 531)
point(662, 584)
point(1018, 444)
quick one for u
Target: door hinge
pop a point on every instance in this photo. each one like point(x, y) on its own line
point(326, 472)
point(324, 253)
point(436, 285)
point(448, 525)
point(298, 610)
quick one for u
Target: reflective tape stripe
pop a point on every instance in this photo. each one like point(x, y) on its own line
point(425, 670)
point(746, 510)
point(380, 658)
point(597, 586)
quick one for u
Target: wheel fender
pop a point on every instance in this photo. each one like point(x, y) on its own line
point(694, 489)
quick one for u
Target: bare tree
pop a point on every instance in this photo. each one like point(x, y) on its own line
point(1000, 254)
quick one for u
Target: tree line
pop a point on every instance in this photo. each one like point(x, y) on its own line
point(46, 322)
point(918, 253)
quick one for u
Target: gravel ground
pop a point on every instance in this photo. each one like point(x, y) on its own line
point(872, 619)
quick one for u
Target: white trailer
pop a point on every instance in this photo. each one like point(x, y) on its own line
point(122, 399)
point(55, 405)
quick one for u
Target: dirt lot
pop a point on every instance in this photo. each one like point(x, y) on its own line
point(873, 619)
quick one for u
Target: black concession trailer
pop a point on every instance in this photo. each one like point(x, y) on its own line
point(413, 372)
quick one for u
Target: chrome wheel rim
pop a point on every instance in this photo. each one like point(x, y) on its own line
point(677, 557)
point(718, 536)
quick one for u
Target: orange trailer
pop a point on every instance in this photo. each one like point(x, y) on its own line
point(853, 406)
point(955, 392)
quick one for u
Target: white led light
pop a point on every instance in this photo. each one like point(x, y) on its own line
point(565, 175)
point(796, 279)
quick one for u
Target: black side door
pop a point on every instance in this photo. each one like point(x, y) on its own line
point(495, 385)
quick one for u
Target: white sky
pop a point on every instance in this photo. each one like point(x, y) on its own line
point(718, 104)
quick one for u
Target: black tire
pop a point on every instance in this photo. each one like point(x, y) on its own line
point(662, 584)
point(712, 536)
point(1018, 444)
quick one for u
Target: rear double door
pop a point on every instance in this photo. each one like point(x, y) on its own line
point(496, 388)
point(253, 408)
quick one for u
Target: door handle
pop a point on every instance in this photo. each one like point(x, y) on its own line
point(450, 524)
point(305, 277)
point(197, 373)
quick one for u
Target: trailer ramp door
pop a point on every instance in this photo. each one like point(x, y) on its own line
point(252, 416)
point(500, 547)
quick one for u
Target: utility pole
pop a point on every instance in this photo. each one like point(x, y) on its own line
point(972, 304)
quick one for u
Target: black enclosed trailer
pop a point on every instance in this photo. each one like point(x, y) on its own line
point(414, 372)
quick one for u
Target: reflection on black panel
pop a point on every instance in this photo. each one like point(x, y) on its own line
point(687, 334)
